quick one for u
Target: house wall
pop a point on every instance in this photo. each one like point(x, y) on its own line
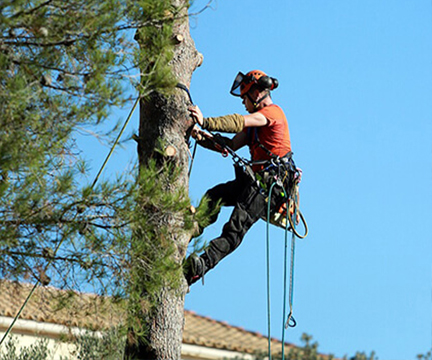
point(57, 348)
point(28, 332)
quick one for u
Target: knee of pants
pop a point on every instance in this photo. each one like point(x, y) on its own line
point(232, 235)
point(235, 229)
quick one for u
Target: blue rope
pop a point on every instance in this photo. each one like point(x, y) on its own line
point(285, 278)
point(290, 320)
point(291, 295)
point(268, 270)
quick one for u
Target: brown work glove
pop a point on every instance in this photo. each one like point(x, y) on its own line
point(233, 123)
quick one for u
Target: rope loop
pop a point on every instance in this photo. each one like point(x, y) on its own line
point(291, 322)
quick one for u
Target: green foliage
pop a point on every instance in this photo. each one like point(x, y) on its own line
point(109, 346)
point(37, 351)
point(64, 66)
point(159, 214)
point(309, 351)
point(203, 217)
point(427, 356)
point(156, 42)
point(363, 356)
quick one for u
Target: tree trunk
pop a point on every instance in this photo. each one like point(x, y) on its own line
point(164, 119)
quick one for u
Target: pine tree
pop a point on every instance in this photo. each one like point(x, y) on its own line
point(63, 66)
point(59, 71)
point(162, 146)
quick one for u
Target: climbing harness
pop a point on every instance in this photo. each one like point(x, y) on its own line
point(283, 174)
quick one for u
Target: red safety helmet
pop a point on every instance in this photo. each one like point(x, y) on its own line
point(243, 83)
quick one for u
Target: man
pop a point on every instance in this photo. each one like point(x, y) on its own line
point(265, 131)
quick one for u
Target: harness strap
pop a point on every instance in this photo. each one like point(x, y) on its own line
point(252, 133)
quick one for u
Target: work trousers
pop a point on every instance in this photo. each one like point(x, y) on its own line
point(249, 206)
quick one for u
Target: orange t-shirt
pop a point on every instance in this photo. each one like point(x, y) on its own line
point(274, 136)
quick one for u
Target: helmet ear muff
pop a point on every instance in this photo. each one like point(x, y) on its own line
point(268, 83)
point(275, 83)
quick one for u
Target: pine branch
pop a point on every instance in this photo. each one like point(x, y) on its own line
point(29, 12)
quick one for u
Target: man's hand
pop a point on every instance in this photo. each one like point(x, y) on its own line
point(198, 134)
point(196, 114)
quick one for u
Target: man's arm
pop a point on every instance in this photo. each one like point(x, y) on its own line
point(255, 120)
point(205, 140)
point(239, 140)
point(234, 123)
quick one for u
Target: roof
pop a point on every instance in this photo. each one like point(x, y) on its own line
point(95, 312)
point(55, 306)
point(201, 330)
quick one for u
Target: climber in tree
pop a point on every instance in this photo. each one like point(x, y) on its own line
point(265, 131)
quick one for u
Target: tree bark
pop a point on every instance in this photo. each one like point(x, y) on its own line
point(164, 119)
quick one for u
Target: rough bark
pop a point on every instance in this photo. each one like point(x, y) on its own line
point(165, 119)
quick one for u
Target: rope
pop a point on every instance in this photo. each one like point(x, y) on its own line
point(290, 320)
point(268, 271)
point(61, 241)
point(28, 297)
point(185, 88)
point(19, 313)
point(291, 282)
point(192, 158)
point(116, 141)
point(285, 281)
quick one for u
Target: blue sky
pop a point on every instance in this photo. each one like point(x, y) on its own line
point(356, 86)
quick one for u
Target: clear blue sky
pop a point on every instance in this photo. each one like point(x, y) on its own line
point(356, 85)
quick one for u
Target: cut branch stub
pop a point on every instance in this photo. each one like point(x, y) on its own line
point(200, 60)
point(170, 151)
point(178, 38)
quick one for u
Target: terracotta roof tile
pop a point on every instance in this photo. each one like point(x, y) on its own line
point(83, 310)
point(201, 330)
point(94, 312)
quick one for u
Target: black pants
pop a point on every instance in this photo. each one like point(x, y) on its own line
point(249, 206)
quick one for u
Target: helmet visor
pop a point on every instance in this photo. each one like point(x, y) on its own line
point(239, 80)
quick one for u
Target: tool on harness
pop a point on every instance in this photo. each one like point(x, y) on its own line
point(287, 208)
point(282, 171)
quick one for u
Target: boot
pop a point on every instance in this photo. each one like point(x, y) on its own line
point(194, 268)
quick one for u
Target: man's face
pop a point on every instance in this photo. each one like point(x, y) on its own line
point(250, 108)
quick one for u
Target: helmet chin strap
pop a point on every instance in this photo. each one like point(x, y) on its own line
point(255, 104)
